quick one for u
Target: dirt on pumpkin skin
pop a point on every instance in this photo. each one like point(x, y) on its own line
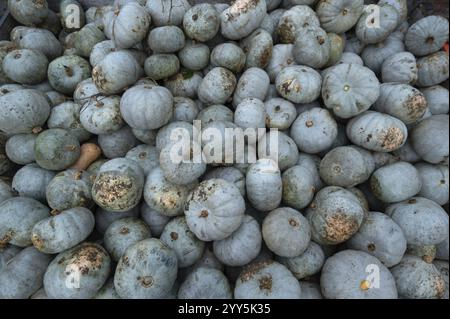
point(391, 138)
point(88, 257)
point(416, 105)
point(340, 227)
point(113, 190)
point(253, 269)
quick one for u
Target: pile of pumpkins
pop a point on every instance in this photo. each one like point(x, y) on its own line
point(354, 205)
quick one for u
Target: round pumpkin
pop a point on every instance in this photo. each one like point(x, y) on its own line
point(427, 35)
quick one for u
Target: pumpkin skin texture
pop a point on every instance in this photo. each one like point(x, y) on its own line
point(427, 35)
point(437, 99)
point(89, 263)
point(5, 48)
point(400, 68)
point(253, 83)
point(161, 66)
point(217, 86)
point(184, 171)
point(185, 83)
point(101, 115)
point(184, 109)
point(346, 166)
point(167, 39)
point(211, 203)
point(23, 111)
point(20, 148)
point(435, 182)
point(287, 149)
point(85, 91)
point(85, 39)
point(124, 233)
point(442, 266)
point(337, 45)
point(334, 216)
point(25, 66)
point(395, 182)
point(250, 113)
point(377, 132)
point(70, 188)
point(417, 279)
point(298, 84)
point(311, 47)
point(67, 116)
point(298, 187)
point(188, 248)
point(167, 12)
point(118, 143)
point(258, 48)
point(381, 237)
point(57, 233)
point(146, 156)
point(194, 56)
point(122, 177)
point(28, 12)
point(350, 58)
point(242, 246)
point(153, 219)
point(293, 20)
point(242, 18)
point(388, 20)
point(56, 149)
point(430, 139)
point(281, 57)
point(230, 174)
point(402, 101)
point(65, 72)
point(31, 181)
point(146, 107)
point(104, 218)
point(22, 275)
point(148, 269)
point(128, 25)
point(344, 276)
point(228, 55)
point(339, 16)
point(433, 69)
point(205, 283)
point(306, 264)
point(286, 232)
point(266, 280)
point(374, 55)
point(423, 221)
point(115, 72)
point(350, 89)
point(280, 113)
point(166, 198)
point(145, 136)
point(201, 22)
point(5, 192)
point(264, 185)
point(314, 131)
point(442, 249)
point(18, 215)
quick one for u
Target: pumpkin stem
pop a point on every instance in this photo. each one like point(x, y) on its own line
point(36, 130)
point(55, 212)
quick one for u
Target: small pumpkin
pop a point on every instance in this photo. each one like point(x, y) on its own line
point(122, 177)
point(167, 12)
point(87, 263)
point(402, 101)
point(153, 219)
point(293, 20)
point(217, 86)
point(194, 56)
point(67, 229)
point(64, 73)
point(211, 203)
point(20, 148)
point(201, 22)
point(127, 25)
point(427, 35)
point(101, 115)
point(434, 182)
point(377, 131)
point(188, 248)
point(350, 89)
point(228, 55)
point(242, 18)
point(311, 47)
point(67, 116)
point(298, 84)
point(117, 143)
point(28, 12)
point(253, 83)
point(124, 233)
point(298, 187)
point(69, 189)
point(433, 69)
point(148, 269)
point(372, 29)
point(339, 16)
point(86, 38)
point(185, 83)
point(205, 283)
point(31, 181)
point(56, 149)
point(374, 55)
point(258, 48)
point(18, 215)
point(400, 68)
point(40, 40)
point(437, 99)
point(167, 39)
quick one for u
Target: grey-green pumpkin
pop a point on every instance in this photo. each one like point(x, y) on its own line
point(101, 115)
point(67, 116)
point(77, 273)
point(427, 35)
point(56, 149)
point(148, 269)
point(377, 22)
point(177, 235)
point(69, 189)
point(18, 215)
point(118, 143)
point(63, 231)
point(25, 66)
point(205, 283)
point(400, 68)
point(20, 148)
point(65, 72)
point(23, 111)
point(28, 12)
point(335, 215)
point(31, 181)
point(22, 275)
point(118, 185)
point(435, 182)
point(298, 84)
point(124, 233)
point(339, 16)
